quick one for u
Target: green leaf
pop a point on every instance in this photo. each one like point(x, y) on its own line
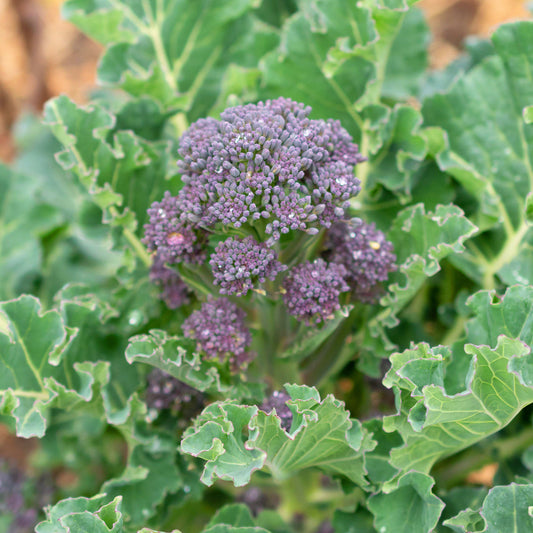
point(322, 435)
point(434, 423)
point(354, 55)
point(31, 343)
point(151, 473)
point(178, 356)
point(410, 507)
point(421, 240)
point(124, 173)
point(79, 515)
point(24, 219)
point(236, 514)
point(491, 157)
point(509, 508)
point(397, 149)
point(176, 52)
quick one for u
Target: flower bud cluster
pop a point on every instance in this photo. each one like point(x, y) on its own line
point(365, 253)
point(239, 263)
point(220, 332)
point(278, 401)
point(312, 290)
point(166, 392)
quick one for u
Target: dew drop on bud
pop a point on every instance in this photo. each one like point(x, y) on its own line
point(135, 318)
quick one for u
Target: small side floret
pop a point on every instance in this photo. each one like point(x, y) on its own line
point(237, 264)
point(313, 289)
point(219, 329)
point(366, 255)
point(174, 291)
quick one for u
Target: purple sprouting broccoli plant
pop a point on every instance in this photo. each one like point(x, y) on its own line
point(220, 332)
point(312, 290)
point(265, 196)
point(365, 253)
point(238, 263)
point(174, 291)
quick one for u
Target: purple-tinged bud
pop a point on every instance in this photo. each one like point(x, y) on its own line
point(220, 332)
point(365, 253)
point(278, 401)
point(174, 291)
point(313, 289)
point(164, 391)
point(171, 234)
point(237, 264)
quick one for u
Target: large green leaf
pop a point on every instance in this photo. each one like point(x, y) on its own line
point(123, 172)
point(24, 218)
point(413, 493)
point(422, 240)
point(174, 51)
point(31, 346)
point(352, 53)
point(322, 435)
point(497, 384)
point(480, 137)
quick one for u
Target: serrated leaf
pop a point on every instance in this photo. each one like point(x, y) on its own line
point(491, 157)
point(124, 173)
point(413, 492)
point(322, 435)
point(421, 240)
point(24, 218)
point(30, 344)
point(396, 152)
point(434, 423)
point(346, 50)
point(178, 356)
point(79, 515)
point(174, 51)
point(151, 473)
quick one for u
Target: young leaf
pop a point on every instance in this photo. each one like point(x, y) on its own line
point(491, 158)
point(421, 240)
point(322, 435)
point(412, 492)
point(434, 423)
point(178, 356)
point(175, 52)
point(24, 218)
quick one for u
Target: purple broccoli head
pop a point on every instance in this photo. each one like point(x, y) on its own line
point(260, 162)
point(365, 253)
point(313, 289)
point(239, 263)
point(220, 332)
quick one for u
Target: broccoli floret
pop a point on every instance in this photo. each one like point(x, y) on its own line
point(238, 263)
point(220, 332)
point(312, 290)
point(365, 253)
point(174, 291)
point(264, 164)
